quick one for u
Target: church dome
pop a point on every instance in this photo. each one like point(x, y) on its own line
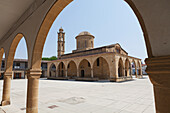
point(84, 33)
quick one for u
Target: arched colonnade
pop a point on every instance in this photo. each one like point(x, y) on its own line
point(41, 17)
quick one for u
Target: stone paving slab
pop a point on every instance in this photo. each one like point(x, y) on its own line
point(57, 96)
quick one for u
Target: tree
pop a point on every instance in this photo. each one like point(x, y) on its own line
point(50, 59)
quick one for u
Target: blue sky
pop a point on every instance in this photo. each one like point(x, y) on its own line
point(110, 21)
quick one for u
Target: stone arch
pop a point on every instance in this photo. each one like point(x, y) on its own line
point(84, 68)
point(134, 67)
point(127, 67)
point(52, 72)
point(72, 69)
point(52, 15)
point(61, 70)
point(120, 68)
point(48, 21)
point(12, 50)
point(101, 68)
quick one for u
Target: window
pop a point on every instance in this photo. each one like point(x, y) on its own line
point(78, 44)
point(88, 64)
point(68, 65)
point(91, 43)
point(98, 62)
point(17, 64)
point(117, 50)
point(62, 65)
point(85, 43)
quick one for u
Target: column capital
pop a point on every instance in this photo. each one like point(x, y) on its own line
point(34, 73)
point(158, 69)
point(8, 74)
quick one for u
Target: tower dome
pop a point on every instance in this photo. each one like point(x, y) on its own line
point(84, 33)
point(85, 41)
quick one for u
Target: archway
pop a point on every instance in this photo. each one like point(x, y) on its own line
point(134, 68)
point(52, 71)
point(127, 68)
point(85, 69)
point(61, 70)
point(11, 53)
point(72, 69)
point(120, 68)
point(101, 68)
point(11, 67)
point(49, 19)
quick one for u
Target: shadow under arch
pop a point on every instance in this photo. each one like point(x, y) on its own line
point(72, 69)
point(84, 68)
point(101, 68)
point(52, 71)
point(120, 68)
point(12, 50)
point(61, 70)
point(127, 67)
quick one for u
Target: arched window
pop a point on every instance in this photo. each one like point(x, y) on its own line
point(98, 62)
point(85, 43)
point(62, 65)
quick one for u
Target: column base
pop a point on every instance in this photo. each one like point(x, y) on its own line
point(86, 79)
point(58, 78)
point(31, 110)
point(4, 103)
point(140, 76)
point(121, 79)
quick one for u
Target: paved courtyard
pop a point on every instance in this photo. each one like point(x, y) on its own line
point(84, 97)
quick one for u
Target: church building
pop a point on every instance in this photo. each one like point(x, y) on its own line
point(87, 63)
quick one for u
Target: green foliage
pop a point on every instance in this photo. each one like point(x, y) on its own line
point(50, 59)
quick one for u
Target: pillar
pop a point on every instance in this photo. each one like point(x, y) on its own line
point(32, 90)
point(6, 89)
point(123, 72)
point(92, 73)
point(141, 71)
point(56, 73)
point(77, 73)
point(136, 74)
point(158, 69)
point(66, 73)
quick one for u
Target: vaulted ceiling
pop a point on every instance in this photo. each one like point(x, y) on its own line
point(10, 12)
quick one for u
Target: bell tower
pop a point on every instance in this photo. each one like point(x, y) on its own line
point(61, 42)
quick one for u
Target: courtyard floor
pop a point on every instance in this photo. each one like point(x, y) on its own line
point(84, 97)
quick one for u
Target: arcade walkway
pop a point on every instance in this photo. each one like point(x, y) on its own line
point(85, 97)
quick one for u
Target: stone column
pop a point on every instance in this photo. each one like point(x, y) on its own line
point(141, 71)
point(56, 73)
point(6, 88)
point(123, 72)
point(32, 91)
point(92, 73)
point(136, 74)
point(77, 73)
point(158, 69)
point(66, 73)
